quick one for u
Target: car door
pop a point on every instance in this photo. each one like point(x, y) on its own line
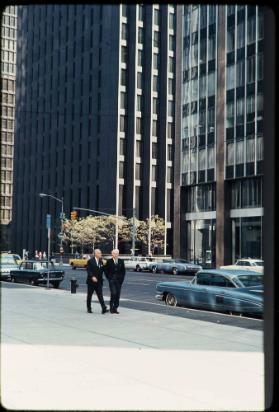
point(200, 290)
point(219, 297)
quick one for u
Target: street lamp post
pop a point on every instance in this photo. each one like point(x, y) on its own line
point(61, 219)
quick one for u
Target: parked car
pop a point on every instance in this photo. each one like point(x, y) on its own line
point(237, 291)
point(256, 265)
point(35, 272)
point(175, 266)
point(138, 263)
point(7, 263)
point(79, 262)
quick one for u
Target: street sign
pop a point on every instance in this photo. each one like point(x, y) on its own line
point(48, 221)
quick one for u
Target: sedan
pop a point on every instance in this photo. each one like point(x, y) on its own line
point(7, 263)
point(37, 271)
point(175, 266)
point(219, 290)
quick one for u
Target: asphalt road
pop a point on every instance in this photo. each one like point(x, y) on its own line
point(138, 292)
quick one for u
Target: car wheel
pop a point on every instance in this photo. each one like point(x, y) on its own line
point(171, 300)
point(74, 267)
point(56, 285)
point(13, 280)
point(138, 269)
point(154, 269)
point(174, 271)
point(33, 282)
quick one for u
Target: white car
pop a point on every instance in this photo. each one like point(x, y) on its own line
point(257, 265)
point(138, 263)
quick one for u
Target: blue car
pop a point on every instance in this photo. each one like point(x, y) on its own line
point(237, 291)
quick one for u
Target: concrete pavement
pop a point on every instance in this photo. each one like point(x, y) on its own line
point(56, 356)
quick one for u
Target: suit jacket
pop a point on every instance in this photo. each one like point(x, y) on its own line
point(94, 270)
point(113, 271)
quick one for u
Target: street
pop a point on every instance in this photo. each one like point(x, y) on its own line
point(138, 292)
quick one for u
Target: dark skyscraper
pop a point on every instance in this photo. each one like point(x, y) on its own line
point(95, 114)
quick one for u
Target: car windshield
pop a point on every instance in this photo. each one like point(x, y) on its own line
point(42, 265)
point(168, 260)
point(181, 261)
point(248, 280)
point(7, 260)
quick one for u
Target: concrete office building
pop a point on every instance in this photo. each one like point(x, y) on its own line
point(218, 181)
point(95, 114)
point(8, 76)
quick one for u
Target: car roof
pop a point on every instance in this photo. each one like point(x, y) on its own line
point(230, 273)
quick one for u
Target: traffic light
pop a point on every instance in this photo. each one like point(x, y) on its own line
point(74, 215)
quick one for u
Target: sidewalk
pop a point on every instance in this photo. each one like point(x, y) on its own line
point(56, 356)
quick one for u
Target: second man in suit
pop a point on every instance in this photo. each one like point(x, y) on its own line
point(115, 273)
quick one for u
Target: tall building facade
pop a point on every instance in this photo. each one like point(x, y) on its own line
point(95, 114)
point(221, 136)
point(8, 78)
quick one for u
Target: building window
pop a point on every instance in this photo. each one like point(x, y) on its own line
point(124, 10)
point(140, 35)
point(170, 130)
point(171, 108)
point(124, 54)
point(171, 42)
point(240, 73)
point(156, 61)
point(251, 30)
point(140, 58)
point(123, 124)
point(123, 100)
point(156, 39)
point(230, 77)
point(155, 128)
point(155, 83)
point(154, 150)
point(123, 77)
point(138, 148)
point(139, 80)
point(139, 103)
point(121, 170)
point(156, 17)
point(155, 106)
point(171, 87)
point(169, 174)
point(251, 69)
point(240, 35)
point(138, 171)
point(170, 152)
point(124, 31)
point(171, 64)
point(122, 147)
point(230, 39)
point(141, 12)
point(154, 173)
point(171, 21)
point(138, 125)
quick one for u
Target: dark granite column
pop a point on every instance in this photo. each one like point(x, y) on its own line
point(223, 228)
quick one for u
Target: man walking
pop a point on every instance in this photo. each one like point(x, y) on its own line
point(115, 273)
point(95, 280)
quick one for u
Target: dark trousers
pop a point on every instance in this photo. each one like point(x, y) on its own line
point(99, 292)
point(115, 289)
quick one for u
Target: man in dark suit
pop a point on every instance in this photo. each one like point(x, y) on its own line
point(115, 273)
point(95, 280)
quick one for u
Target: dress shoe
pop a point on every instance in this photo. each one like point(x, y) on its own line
point(114, 311)
point(105, 310)
point(89, 311)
